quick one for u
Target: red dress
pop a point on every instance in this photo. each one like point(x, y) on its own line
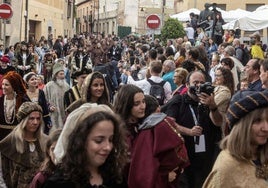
point(157, 150)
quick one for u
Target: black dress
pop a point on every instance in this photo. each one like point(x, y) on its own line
point(46, 116)
point(57, 181)
point(7, 127)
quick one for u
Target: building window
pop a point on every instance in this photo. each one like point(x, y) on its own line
point(221, 6)
point(253, 7)
point(69, 9)
point(7, 1)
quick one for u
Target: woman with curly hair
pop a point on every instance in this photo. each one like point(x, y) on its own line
point(96, 152)
point(224, 90)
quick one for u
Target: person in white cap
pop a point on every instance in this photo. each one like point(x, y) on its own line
point(54, 92)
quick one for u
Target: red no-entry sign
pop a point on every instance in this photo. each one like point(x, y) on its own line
point(5, 11)
point(153, 21)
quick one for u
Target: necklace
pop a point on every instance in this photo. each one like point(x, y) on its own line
point(33, 95)
point(9, 110)
point(31, 146)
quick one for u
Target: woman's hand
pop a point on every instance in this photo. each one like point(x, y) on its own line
point(52, 108)
point(172, 176)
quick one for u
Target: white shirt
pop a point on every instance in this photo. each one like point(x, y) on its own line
point(146, 86)
point(189, 32)
point(238, 67)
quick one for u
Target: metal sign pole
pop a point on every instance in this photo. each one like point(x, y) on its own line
point(4, 37)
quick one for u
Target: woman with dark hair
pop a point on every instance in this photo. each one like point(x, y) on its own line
point(169, 53)
point(94, 90)
point(227, 63)
point(130, 104)
point(194, 54)
point(58, 48)
point(223, 91)
point(96, 154)
point(264, 73)
point(212, 48)
point(218, 30)
point(203, 57)
point(97, 54)
point(225, 77)
point(181, 58)
point(38, 96)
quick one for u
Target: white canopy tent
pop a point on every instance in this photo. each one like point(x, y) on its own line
point(185, 16)
point(228, 16)
point(232, 15)
point(254, 21)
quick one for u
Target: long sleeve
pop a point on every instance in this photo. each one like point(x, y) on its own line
point(2, 182)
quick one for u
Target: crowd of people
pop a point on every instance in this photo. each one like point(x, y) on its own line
point(95, 111)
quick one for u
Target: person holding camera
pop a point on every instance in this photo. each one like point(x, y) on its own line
point(199, 121)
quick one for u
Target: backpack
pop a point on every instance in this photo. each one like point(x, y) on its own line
point(246, 56)
point(157, 91)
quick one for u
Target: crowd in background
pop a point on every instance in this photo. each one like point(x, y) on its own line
point(137, 111)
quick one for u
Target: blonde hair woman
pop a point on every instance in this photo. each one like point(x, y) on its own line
point(243, 161)
point(180, 80)
point(23, 150)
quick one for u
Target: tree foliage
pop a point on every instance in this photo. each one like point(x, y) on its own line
point(172, 29)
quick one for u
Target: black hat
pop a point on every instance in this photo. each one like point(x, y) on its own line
point(24, 43)
point(115, 39)
point(80, 72)
point(244, 102)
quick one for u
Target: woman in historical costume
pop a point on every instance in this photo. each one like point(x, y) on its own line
point(155, 161)
point(96, 152)
point(97, 54)
point(70, 126)
point(22, 151)
point(74, 93)
point(243, 161)
point(38, 96)
point(94, 90)
point(48, 166)
point(14, 94)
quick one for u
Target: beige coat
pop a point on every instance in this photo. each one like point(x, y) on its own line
point(222, 97)
point(55, 97)
point(228, 172)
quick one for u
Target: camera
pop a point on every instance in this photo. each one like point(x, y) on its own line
point(207, 88)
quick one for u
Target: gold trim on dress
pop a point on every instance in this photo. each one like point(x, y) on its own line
point(7, 126)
